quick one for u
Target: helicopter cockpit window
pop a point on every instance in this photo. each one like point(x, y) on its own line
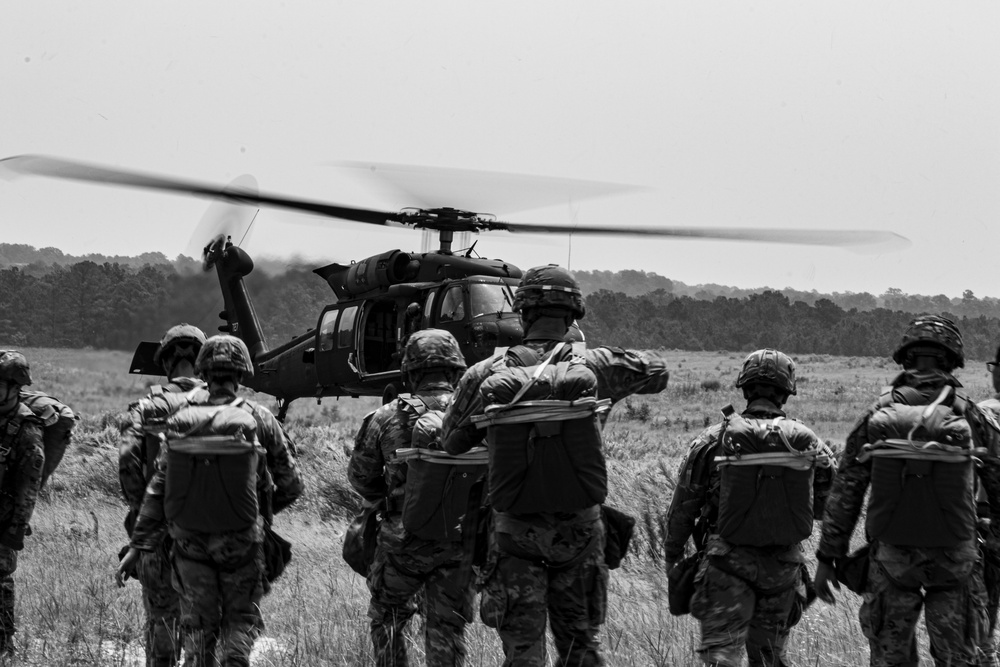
point(346, 329)
point(453, 305)
point(489, 298)
point(326, 330)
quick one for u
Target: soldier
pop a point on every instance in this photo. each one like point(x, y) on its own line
point(404, 562)
point(214, 511)
point(990, 543)
point(916, 448)
point(22, 459)
point(549, 563)
point(748, 502)
point(177, 353)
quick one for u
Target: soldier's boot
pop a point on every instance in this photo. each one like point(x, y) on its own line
point(7, 629)
point(765, 656)
point(163, 647)
point(388, 638)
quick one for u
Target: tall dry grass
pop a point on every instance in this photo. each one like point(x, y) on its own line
point(71, 613)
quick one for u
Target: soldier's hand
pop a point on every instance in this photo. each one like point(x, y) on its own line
point(826, 576)
point(669, 565)
point(126, 567)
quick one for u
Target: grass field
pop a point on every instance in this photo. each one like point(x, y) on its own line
point(71, 613)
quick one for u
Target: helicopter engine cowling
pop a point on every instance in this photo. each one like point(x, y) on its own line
point(370, 275)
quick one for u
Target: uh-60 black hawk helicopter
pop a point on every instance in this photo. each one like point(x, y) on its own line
point(356, 345)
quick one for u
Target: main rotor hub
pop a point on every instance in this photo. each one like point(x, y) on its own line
point(447, 219)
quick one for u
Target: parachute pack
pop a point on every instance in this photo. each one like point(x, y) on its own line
point(439, 491)
point(213, 459)
point(58, 421)
point(766, 489)
point(923, 472)
point(545, 445)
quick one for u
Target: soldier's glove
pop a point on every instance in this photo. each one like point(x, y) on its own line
point(13, 538)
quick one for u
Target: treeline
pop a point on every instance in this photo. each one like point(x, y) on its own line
point(113, 306)
point(771, 319)
point(637, 283)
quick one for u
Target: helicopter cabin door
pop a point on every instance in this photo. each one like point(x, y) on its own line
point(381, 328)
point(336, 351)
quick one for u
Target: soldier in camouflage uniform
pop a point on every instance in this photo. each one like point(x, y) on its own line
point(432, 362)
point(907, 570)
point(137, 454)
point(990, 542)
point(22, 459)
point(558, 571)
point(746, 594)
point(219, 575)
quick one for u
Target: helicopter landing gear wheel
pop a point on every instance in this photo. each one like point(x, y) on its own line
point(391, 392)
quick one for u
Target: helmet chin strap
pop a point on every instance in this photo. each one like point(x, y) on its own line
point(6, 404)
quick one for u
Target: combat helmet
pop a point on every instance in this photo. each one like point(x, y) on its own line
point(178, 335)
point(769, 367)
point(431, 348)
point(224, 353)
point(549, 286)
point(14, 367)
point(932, 330)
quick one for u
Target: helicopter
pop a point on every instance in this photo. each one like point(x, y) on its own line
point(355, 347)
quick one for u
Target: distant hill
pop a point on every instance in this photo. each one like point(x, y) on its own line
point(637, 283)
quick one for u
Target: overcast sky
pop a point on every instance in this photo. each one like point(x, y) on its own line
point(776, 114)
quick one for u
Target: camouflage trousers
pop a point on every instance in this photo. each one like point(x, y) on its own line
point(163, 645)
point(403, 565)
point(991, 578)
point(948, 585)
point(547, 565)
point(8, 564)
point(747, 596)
point(220, 616)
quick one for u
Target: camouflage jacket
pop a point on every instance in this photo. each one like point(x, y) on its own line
point(151, 526)
point(620, 373)
point(853, 476)
point(372, 471)
point(133, 472)
point(695, 504)
point(58, 421)
point(21, 433)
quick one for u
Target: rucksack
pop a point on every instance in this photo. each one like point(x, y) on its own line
point(923, 482)
point(215, 467)
point(58, 421)
point(439, 490)
point(766, 470)
point(545, 445)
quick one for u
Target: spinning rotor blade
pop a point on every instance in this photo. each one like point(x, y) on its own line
point(40, 165)
point(846, 238)
point(471, 190)
point(445, 219)
point(225, 218)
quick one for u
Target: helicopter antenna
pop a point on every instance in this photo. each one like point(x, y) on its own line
point(249, 227)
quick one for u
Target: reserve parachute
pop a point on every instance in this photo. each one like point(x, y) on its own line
point(766, 469)
point(213, 459)
point(439, 489)
point(545, 445)
point(923, 472)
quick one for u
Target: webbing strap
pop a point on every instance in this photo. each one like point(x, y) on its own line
point(916, 450)
point(474, 457)
point(803, 461)
point(545, 410)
